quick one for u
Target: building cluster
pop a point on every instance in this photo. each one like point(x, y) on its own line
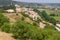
point(27, 11)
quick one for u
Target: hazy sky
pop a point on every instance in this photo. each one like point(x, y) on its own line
point(40, 1)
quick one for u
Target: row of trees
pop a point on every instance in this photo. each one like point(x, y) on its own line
point(54, 14)
point(4, 8)
point(46, 17)
point(8, 7)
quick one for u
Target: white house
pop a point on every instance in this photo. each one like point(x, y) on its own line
point(17, 6)
point(10, 10)
point(58, 29)
point(19, 10)
point(58, 24)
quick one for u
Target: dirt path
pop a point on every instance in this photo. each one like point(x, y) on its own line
point(5, 36)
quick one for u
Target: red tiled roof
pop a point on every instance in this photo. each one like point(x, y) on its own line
point(58, 23)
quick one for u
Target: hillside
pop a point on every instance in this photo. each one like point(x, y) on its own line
point(28, 24)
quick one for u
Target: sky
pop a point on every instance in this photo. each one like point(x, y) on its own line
point(40, 1)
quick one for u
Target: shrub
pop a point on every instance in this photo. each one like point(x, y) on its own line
point(3, 19)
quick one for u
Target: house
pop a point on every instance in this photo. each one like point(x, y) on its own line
point(42, 25)
point(10, 10)
point(25, 9)
point(17, 6)
point(19, 10)
point(58, 24)
point(58, 29)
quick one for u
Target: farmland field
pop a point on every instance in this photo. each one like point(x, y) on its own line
point(57, 18)
point(57, 14)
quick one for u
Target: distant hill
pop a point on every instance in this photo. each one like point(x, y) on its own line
point(5, 2)
point(36, 4)
point(27, 4)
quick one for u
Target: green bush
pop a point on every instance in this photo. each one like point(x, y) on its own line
point(4, 23)
point(3, 19)
point(5, 27)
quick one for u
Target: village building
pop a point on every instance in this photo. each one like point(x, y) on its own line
point(58, 24)
point(42, 25)
point(18, 8)
point(57, 28)
point(25, 9)
point(10, 11)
